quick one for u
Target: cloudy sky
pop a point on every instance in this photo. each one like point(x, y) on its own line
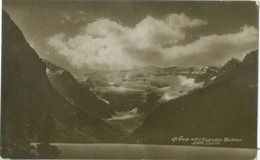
point(82, 36)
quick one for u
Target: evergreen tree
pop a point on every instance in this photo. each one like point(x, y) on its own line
point(47, 135)
point(16, 140)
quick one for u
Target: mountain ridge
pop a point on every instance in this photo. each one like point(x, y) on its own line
point(212, 111)
point(27, 95)
point(76, 93)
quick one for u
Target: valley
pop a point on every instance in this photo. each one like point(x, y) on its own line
point(143, 100)
point(45, 103)
point(134, 99)
point(129, 95)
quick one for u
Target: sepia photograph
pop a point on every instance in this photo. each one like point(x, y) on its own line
point(85, 79)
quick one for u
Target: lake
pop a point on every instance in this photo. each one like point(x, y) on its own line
point(139, 151)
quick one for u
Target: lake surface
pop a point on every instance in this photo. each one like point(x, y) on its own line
point(139, 151)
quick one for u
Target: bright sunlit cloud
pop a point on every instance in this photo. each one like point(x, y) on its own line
point(106, 44)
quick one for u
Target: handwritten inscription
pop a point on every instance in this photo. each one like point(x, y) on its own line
point(205, 141)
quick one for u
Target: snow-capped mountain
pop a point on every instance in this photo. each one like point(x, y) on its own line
point(206, 74)
point(226, 107)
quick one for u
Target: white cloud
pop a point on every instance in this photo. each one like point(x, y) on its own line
point(106, 44)
point(213, 49)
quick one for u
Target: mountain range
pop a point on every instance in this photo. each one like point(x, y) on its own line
point(147, 105)
point(227, 107)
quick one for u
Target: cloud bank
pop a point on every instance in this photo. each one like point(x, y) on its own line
point(106, 44)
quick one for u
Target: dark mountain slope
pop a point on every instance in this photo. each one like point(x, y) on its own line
point(76, 93)
point(226, 70)
point(226, 108)
point(27, 95)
